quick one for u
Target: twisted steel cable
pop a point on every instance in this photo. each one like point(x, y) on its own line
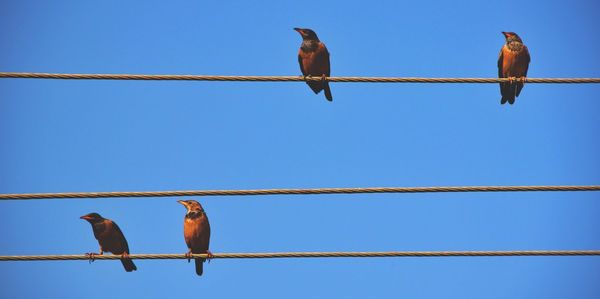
point(285, 78)
point(26, 196)
point(309, 255)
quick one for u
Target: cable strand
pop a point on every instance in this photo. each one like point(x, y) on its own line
point(309, 255)
point(27, 196)
point(285, 78)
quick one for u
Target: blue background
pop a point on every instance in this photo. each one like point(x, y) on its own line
point(69, 136)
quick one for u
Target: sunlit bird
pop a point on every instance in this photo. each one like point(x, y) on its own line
point(313, 58)
point(196, 231)
point(513, 63)
point(111, 239)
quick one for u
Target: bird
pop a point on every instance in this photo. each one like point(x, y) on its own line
point(313, 58)
point(513, 63)
point(111, 239)
point(196, 232)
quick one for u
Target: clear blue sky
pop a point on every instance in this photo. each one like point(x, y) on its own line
point(61, 136)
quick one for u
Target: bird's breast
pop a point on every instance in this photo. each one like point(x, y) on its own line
point(196, 232)
point(193, 227)
point(514, 63)
point(316, 63)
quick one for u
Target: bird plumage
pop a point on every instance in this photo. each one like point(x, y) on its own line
point(513, 62)
point(110, 238)
point(313, 58)
point(196, 231)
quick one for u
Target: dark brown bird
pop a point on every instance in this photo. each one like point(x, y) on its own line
point(513, 63)
point(196, 231)
point(111, 239)
point(314, 61)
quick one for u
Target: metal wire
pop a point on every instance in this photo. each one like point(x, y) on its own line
point(26, 196)
point(308, 255)
point(286, 78)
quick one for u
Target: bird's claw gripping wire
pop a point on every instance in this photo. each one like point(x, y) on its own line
point(92, 256)
point(209, 256)
point(523, 79)
point(188, 255)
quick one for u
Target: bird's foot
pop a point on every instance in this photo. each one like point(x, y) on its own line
point(309, 77)
point(124, 255)
point(188, 255)
point(512, 80)
point(92, 256)
point(523, 79)
point(209, 256)
point(323, 78)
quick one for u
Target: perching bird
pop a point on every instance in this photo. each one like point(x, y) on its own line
point(314, 61)
point(196, 231)
point(110, 238)
point(513, 63)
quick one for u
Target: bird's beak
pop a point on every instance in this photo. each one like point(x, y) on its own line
point(85, 217)
point(505, 34)
point(185, 204)
point(299, 31)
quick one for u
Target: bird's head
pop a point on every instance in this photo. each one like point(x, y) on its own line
point(92, 218)
point(511, 36)
point(192, 206)
point(307, 34)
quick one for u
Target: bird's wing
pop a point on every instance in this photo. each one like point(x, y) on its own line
point(300, 62)
point(504, 87)
point(328, 66)
point(119, 235)
point(500, 62)
point(527, 59)
point(206, 235)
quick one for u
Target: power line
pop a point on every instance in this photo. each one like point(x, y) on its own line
point(26, 196)
point(284, 78)
point(309, 255)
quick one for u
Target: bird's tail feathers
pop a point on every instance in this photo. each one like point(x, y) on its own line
point(328, 95)
point(128, 264)
point(199, 266)
point(518, 89)
point(509, 93)
point(507, 98)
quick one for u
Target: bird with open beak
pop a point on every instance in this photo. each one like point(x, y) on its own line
point(196, 232)
point(313, 58)
point(513, 63)
point(111, 239)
